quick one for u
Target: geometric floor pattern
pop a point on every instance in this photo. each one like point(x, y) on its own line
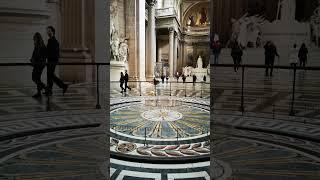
point(263, 142)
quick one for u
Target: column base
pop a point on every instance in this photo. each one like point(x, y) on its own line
point(76, 74)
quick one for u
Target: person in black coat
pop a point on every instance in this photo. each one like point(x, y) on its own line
point(270, 54)
point(53, 50)
point(194, 79)
point(303, 55)
point(121, 81)
point(236, 53)
point(126, 79)
point(38, 61)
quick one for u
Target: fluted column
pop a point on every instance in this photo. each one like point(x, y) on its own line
point(175, 54)
point(152, 41)
point(141, 40)
point(171, 43)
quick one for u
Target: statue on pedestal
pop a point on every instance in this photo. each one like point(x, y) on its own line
point(315, 25)
point(199, 63)
point(124, 51)
point(247, 29)
point(288, 10)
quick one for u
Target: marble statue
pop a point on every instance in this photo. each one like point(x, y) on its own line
point(247, 29)
point(288, 10)
point(199, 63)
point(187, 71)
point(124, 51)
point(315, 25)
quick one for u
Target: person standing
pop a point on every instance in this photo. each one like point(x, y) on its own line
point(204, 78)
point(293, 56)
point(121, 81)
point(38, 61)
point(126, 79)
point(236, 53)
point(216, 49)
point(194, 79)
point(270, 54)
point(183, 78)
point(303, 55)
point(53, 55)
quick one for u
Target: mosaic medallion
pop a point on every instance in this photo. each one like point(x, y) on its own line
point(161, 115)
point(160, 119)
point(126, 147)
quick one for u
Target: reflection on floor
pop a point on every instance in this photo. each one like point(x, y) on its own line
point(57, 145)
point(263, 142)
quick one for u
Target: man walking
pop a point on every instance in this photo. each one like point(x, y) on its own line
point(126, 79)
point(53, 54)
point(270, 54)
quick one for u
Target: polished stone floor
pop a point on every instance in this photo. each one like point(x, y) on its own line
point(263, 142)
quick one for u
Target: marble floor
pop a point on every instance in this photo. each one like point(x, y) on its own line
point(70, 141)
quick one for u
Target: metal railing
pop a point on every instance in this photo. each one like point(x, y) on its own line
point(244, 95)
point(48, 104)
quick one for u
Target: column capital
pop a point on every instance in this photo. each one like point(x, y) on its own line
point(152, 3)
point(171, 30)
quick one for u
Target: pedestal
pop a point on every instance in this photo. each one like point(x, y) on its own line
point(116, 67)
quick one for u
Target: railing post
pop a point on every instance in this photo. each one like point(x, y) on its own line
point(48, 108)
point(242, 87)
point(177, 136)
point(293, 89)
point(201, 90)
point(185, 89)
point(145, 136)
point(140, 87)
point(170, 88)
point(273, 111)
point(98, 106)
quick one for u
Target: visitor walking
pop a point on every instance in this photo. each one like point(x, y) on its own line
point(270, 54)
point(293, 56)
point(53, 55)
point(126, 79)
point(162, 79)
point(303, 55)
point(121, 81)
point(183, 78)
point(216, 49)
point(236, 53)
point(194, 79)
point(38, 61)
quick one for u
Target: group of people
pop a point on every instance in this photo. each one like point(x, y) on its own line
point(41, 55)
point(271, 53)
point(124, 78)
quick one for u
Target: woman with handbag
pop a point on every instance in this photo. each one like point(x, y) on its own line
point(38, 61)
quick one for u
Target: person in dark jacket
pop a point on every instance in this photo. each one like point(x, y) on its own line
point(53, 52)
point(184, 78)
point(121, 81)
point(270, 54)
point(194, 78)
point(38, 61)
point(126, 79)
point(303, 55)
point(216, 50)
point(236, 53)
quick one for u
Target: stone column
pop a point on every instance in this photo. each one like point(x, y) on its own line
point(152, 41)
point(171, 54)
point(76, 16)
point(141, 40)
point(175, 54)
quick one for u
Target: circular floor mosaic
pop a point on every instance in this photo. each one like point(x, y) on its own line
point(161, 115)
point(164, 119)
